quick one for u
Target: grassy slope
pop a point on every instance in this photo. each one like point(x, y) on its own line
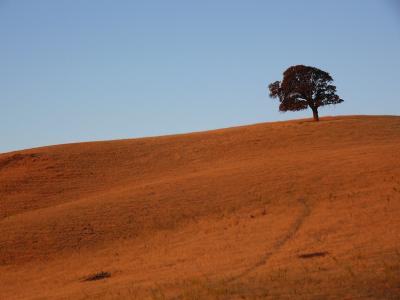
point(221, 214)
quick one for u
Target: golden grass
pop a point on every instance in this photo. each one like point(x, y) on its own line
point(286, 210)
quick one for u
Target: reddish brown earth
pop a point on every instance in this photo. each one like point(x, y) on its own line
point(287, 210)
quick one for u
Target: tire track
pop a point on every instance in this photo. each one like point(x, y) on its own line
point(263, 260)
point(278, 245)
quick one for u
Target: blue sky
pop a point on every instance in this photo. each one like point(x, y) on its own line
point(96, 70)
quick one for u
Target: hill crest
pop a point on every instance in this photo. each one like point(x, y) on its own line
point(217, 207)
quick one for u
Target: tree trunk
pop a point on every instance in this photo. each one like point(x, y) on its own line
point(315, 113)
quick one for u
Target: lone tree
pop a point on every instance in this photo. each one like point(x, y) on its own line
point(302, 87)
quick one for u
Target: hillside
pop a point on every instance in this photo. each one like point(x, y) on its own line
point(285, 210)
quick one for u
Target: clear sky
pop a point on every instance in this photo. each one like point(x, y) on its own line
point(97, 70)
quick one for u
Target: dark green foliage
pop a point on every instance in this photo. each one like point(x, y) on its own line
point(303, 87)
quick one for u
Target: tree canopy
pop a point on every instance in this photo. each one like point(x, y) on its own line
point(303, 87)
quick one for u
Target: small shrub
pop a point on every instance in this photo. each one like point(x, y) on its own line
point(97, 276)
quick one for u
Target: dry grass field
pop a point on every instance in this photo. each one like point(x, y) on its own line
point(285, 210)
